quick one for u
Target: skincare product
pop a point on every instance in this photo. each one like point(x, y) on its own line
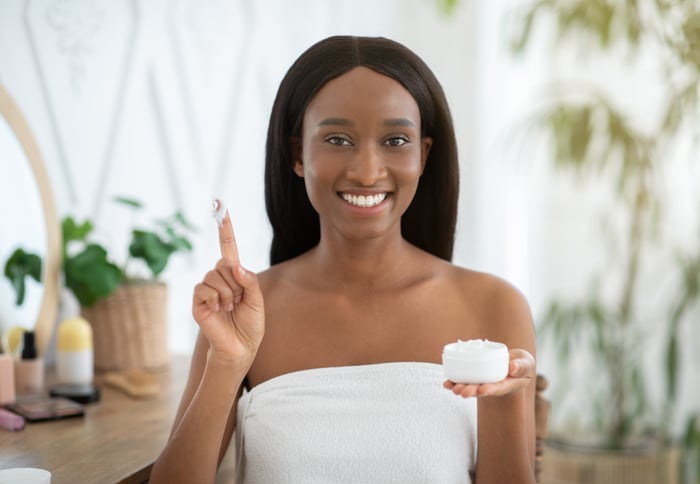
point(475, 361)
point(7, 379)
point(74, 353)
point(29, 369)
point(25, 475)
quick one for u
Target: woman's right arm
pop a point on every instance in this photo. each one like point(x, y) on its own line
point(204, 422)
point(228, 307)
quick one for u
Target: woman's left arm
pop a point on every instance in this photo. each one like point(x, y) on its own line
point(506, 410)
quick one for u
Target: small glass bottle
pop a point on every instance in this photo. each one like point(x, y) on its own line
point(29, 369)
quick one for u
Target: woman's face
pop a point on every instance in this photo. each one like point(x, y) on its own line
point(361, 154)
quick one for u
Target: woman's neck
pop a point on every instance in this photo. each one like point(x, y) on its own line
point(381, 263)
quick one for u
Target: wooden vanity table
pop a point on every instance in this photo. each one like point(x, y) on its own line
point(116, 441)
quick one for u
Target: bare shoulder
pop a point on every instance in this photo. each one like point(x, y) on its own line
point(270, 276)
point(501, 310)
point(278, 282)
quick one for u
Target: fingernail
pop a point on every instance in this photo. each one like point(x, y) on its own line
point(229, 308)
point(237, 299)
point(216, 308)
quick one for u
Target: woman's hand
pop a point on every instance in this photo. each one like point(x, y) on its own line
point(521, 371)
point(228, 305)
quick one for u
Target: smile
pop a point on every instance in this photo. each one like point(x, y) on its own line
point(364, 200)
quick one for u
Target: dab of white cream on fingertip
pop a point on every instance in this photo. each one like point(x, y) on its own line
point(218, 211)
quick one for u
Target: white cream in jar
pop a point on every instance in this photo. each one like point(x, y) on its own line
point(475, 361)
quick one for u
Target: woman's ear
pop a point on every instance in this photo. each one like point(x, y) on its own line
point(296, 146)
point(425, 146)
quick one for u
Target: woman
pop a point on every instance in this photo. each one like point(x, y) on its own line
point(345, 386)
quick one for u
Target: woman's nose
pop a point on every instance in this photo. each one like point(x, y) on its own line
point(367, 166)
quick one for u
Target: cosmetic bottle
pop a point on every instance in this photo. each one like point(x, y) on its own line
point(7, 378)
point(74, 353)
point(29, 369)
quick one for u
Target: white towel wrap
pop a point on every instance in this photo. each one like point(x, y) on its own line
point(378, 423)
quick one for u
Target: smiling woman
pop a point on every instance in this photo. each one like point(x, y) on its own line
point(344, 331)
point(34, 227)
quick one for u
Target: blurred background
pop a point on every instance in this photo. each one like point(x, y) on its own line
point(577, 129)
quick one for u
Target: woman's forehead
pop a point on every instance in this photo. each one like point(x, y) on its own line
point(360, 92)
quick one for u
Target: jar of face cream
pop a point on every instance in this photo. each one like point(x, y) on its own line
point(475, 361)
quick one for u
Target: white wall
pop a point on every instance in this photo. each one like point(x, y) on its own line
point(168, 101)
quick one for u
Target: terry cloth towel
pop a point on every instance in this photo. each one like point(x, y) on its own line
point(379, 423)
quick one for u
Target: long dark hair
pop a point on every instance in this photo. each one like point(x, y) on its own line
point(429, 221)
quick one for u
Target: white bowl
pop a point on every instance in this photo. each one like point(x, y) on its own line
point(475, 361)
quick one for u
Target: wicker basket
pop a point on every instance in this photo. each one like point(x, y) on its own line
point(129, 328)
point(578, 466)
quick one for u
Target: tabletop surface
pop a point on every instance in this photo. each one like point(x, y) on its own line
point(116, 441)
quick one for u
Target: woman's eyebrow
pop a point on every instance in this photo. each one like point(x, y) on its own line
point(347, 122)
point(399, 122)
point(336, 122)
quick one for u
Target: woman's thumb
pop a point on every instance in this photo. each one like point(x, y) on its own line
point(516, 368)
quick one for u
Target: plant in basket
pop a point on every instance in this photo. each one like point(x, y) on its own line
point(127, 312)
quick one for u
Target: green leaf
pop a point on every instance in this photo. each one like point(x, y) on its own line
point(91, 276)
point(73, 231)
point(130, 202)
point(520, 39)
point(580, 136)
point(672, 365)
point(640, 397)
point(152, 249)
point(18, 283)
point(597, 315)
point(180, 243)
point(18, 267)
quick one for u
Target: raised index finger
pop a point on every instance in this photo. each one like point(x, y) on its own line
point(227, 239)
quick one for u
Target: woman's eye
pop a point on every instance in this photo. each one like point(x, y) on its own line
point(397, 141)
point(338, 141)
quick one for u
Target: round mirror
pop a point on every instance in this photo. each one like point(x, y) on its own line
point(29, 222)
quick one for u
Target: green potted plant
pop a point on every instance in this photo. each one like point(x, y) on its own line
point(127, 312)
point(630, 431)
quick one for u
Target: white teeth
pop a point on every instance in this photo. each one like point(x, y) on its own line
point(364, 200)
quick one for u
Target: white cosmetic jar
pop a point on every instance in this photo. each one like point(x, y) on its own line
point(25, 475)
point(475, 361)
